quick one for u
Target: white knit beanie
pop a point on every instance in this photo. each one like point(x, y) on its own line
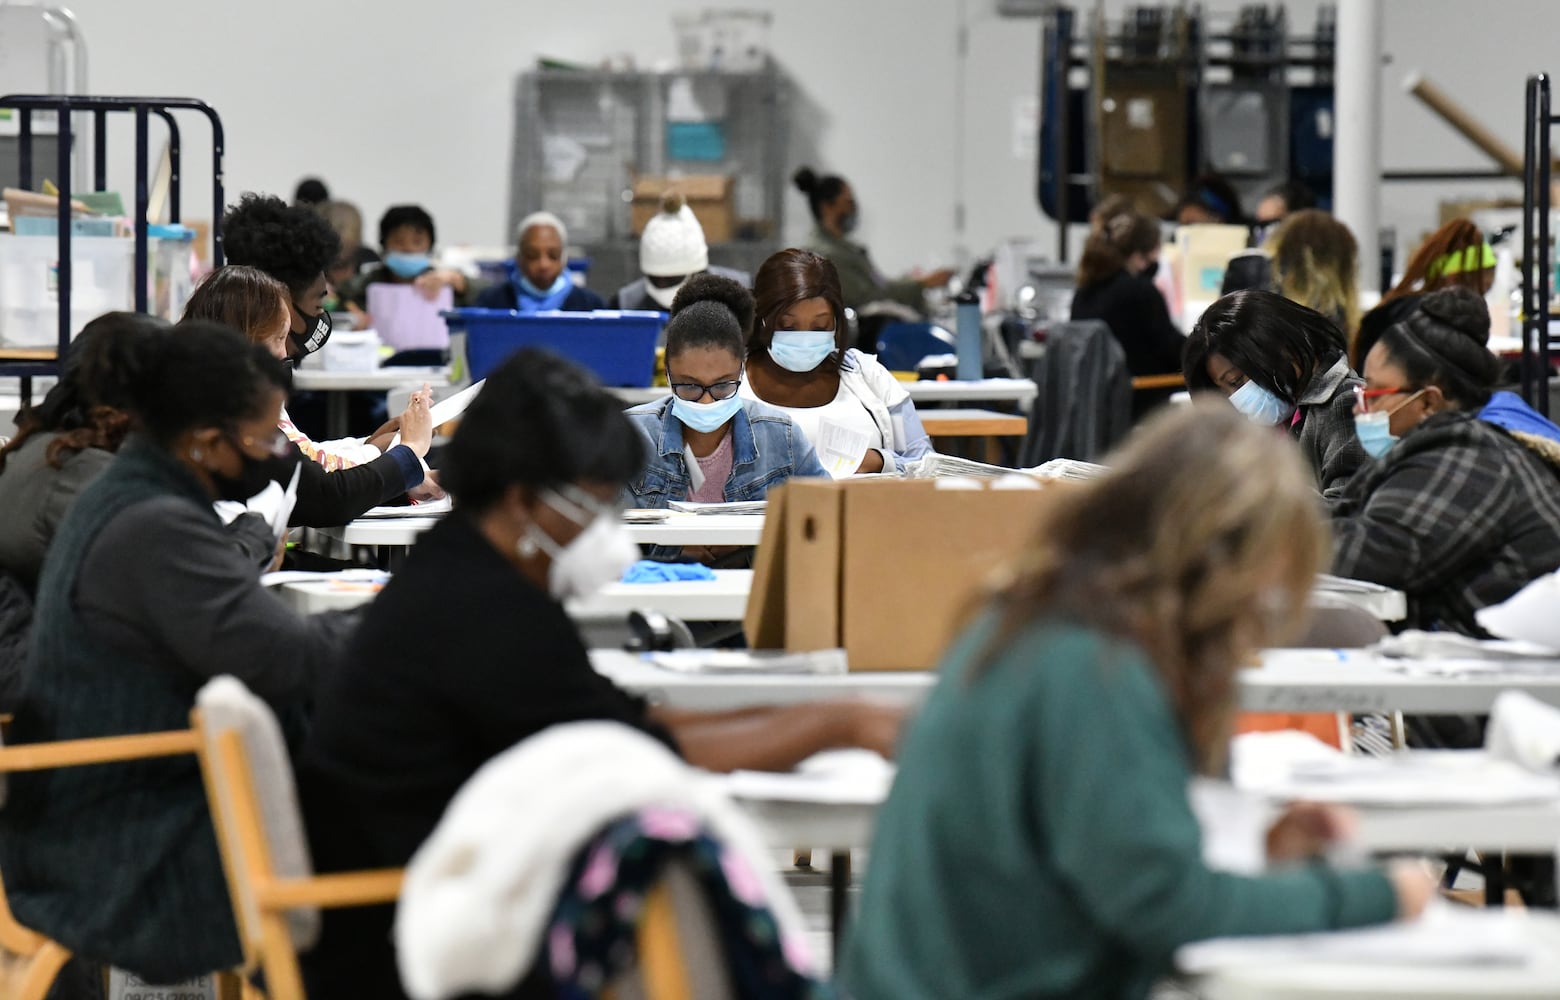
point(673, 241)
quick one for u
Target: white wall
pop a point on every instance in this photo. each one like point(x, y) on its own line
point(400, 100)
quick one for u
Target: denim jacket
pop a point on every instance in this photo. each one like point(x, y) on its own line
point(766, 450)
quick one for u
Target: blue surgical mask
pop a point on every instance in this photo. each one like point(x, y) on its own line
point(407, 265)
point(801, 350)
point(1261, 406)
point(1375, 433)
point(560, 285)
point(705, 417)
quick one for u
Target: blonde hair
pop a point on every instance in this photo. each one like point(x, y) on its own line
point(1200, 545)
point(1317, 263)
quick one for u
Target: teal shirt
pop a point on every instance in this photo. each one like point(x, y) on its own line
point(1039, 843)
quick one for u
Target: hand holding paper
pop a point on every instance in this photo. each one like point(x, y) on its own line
point(840, 448)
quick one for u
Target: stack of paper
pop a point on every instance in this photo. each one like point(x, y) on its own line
point(1529, 614)
point(839, 777)
point(739, 507)
point(432, 508)
point(936, 466)
point(644, 515)
point(1328, 583)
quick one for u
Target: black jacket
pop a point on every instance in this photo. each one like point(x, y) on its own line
point(327, 499)
point(1138, 317)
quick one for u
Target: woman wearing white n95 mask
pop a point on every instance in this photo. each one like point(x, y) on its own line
point(1284, 366)
point(798, 363)
point(469, 650)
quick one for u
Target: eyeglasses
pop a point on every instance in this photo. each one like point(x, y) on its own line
point(1363, 396)
point(692, 392)
point(275, 445)
point(580, 506)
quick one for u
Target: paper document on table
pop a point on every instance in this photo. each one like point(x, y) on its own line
point(1529, 614)
point(840, 449)
point(1445, 935)
point(433, 508)
point(842, 777)
point(1420, 645)
point(733, 507)
point(408, 320)
point(285, 576)
point(1411, 778)
point(730, 661)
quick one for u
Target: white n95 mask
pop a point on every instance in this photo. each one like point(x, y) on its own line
point(597, 556)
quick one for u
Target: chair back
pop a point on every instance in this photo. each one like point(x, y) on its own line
point(678, 945)
point(902, 346)
point(254, 804)
point(1084, 404)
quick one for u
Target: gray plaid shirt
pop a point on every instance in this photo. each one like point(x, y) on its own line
point(1458, 515)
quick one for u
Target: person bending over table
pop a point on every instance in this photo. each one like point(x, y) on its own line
point(143, 599)
point(337, 486)
point(798, 362)
point(469, 650)
point(1038, 840)
point(740, 448)
point(1284, 366)
point(1453, 511)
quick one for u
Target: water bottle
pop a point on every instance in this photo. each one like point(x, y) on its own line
point(968, 333)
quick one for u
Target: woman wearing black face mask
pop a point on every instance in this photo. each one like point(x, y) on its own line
point(833, 205)
point(1116, 286)
point(143, 598)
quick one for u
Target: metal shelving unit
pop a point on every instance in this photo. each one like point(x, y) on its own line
point(582, 136)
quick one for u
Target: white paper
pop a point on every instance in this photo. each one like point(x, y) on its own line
point(446, 410)
point(433, 508)
point(284, 511)
point(286, 576)
point(840, 448)
point(732, 507)
point(839, 777)
point(1445, 935)
point(732, 661)
point(1529, 614)
point(1234, 825)
point(1408, 778)
point(1524, 731)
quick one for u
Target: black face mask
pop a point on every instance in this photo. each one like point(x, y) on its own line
point(255, 474)
point(1148, 271)
point(316, 331)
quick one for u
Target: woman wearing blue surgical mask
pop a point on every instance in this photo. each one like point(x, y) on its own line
point(470, 649)
point(706, 443)
point(1454, 511)
point(797, 361)
point(539, 276)
point(407, 236)
point(1284, 366)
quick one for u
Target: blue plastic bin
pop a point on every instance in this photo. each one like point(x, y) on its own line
point(704, 141)
point(617, 346)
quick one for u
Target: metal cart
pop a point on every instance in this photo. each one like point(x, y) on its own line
point(26, 363)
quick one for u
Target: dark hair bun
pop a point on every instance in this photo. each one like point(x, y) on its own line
point(1461, 309)
point(714, 288)
point(805, 180)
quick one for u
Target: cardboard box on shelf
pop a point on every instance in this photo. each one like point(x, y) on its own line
point(711, 196)
point(887, 569)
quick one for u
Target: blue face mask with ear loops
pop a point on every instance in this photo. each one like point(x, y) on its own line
point(1261, 406)
point(801, 350)
point(1375, 433)
point(705, 417)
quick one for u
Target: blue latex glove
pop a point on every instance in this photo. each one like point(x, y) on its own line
point(647, 571)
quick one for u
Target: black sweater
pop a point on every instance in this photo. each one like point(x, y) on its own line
point(459, 659)
point(1136, 313)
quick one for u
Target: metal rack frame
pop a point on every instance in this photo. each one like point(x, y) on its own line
point(1537, 251)
point(64, 106)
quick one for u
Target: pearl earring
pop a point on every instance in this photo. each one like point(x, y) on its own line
point(195, 455)
point(527, 547)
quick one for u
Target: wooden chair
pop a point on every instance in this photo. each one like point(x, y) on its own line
point(677, 944)
point(249, 784)
point(1174, 380)
point(39, 959)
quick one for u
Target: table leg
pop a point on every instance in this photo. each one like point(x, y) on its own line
point(336, 414)
point(839, 900)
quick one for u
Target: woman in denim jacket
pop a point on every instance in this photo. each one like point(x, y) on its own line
point(707, 444)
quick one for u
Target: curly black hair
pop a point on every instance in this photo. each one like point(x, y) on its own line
point(292, 243)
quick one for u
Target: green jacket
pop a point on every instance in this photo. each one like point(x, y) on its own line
point(1038, 841)
point(860, 282)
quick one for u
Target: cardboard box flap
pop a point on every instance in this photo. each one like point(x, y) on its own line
point(694, 187)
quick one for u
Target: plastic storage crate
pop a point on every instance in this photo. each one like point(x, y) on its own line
point(29, 293)
point(617, 346)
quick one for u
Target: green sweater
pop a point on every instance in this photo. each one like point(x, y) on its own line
point(1038, 841)
point(861, 282)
